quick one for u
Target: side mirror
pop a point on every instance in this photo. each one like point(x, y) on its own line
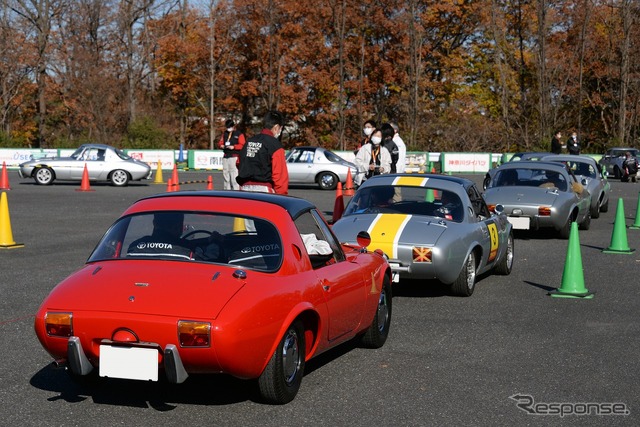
point(363, 239)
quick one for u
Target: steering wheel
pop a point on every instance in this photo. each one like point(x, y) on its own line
point(193, 232)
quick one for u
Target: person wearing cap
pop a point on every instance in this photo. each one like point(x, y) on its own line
point(263, 167)
point(231, 142)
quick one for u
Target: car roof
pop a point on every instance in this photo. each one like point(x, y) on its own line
point(294, 205)
point(444, 182)
point(525, 164)
point(95, 145)
point(568, 158)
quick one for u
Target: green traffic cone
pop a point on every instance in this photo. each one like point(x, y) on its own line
point(572, 276)
point(429, 197)
point(619, 243)
point(636, 224)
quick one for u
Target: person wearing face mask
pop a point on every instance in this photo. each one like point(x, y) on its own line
point(263, 167)
point(373, 159)
point(231, 142)
point(388, 132)
point(367, 129)
point(573, 146)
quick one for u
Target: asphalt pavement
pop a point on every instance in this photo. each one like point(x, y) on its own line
point(508, 355)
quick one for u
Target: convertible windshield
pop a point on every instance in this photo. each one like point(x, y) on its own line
point(525, 177)
point(389, 199)
point(188, 236)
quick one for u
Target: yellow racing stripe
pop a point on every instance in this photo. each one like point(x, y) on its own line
point(385, 232)
point(413, 181)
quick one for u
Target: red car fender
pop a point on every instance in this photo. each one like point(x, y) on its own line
point(246, 339)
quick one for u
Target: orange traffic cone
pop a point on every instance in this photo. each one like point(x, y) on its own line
point(348, 188)
point(174, 178)
point(169, 185)
point(84, 185)
point(338, 206)
point(4, 178)
point(209, 183)
point(6, 236)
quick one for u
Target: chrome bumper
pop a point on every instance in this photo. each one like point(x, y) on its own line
point(80, 364)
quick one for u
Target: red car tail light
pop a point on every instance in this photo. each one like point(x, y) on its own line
point(544, 211)
point(58, 324)
point(194, 334)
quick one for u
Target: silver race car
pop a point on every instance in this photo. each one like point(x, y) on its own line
point(104, 163)
point(589, 173)
point(540, 194)
point(317, 165)
point(613, 160)
point(430, 227)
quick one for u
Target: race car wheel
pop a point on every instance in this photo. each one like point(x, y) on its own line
point(281, 379)
point(466, 281)
point(506, 262)
point(617, 174)
point(327, 181)
point(566, 228)
point(605, 206)
point(595, 211)
point(44, 176)
point(378, 331)
point(486, 182)
point(119, 178)
point(586, 223)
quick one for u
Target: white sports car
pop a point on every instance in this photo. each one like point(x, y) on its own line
point(103, 162)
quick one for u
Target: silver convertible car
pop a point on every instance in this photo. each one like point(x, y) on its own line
point(317, 165)
point(589, 173)
point(613, 160)
point(430, 227)
point(539, 194)
point(104, 163)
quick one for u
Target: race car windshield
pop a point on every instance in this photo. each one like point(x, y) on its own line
point(193, 237)
point(407, 200)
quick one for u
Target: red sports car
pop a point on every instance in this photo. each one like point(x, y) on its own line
point(248, 284)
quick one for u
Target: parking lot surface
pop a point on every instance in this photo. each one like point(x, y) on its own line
point(508, 355)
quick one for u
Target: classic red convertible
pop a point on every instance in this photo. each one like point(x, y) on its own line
point(248, 284)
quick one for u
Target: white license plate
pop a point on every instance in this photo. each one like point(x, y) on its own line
point(132, 363)
point(520, 222)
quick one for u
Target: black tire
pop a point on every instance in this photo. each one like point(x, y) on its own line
point(486, 181)
point(586, 223)
point(617, 174)
point(605, 206)
point(566, 229)
point(44, 176)
point(281, 379)
point(505, 264)
point(378, 331)
point(327, 181)
point(465, 284)
point(119, 178)
point(595, 211)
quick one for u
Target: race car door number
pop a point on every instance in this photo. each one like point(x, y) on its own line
point(131, 363)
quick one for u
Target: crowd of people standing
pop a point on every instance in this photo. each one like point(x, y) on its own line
point(258, 163)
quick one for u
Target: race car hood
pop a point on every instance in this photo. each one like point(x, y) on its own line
point(388, 231)
point(147, 287)
point(510, 196)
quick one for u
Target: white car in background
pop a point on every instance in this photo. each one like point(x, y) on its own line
point(103, 162)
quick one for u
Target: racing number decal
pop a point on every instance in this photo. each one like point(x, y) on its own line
point(493, 234)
